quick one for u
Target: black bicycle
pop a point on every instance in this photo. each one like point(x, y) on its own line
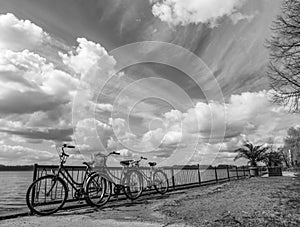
point(48, 194)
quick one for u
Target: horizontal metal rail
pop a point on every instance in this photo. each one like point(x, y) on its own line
point(179, 176)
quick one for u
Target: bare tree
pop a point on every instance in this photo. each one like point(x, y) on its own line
point(292, 142)
point(284, 46)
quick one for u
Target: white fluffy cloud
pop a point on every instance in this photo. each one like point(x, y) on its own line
point(185, 12)
point(90, 60)
point(237, 17)
point(35, 94)
point(93, 133)
point(19, 34)
point(104, 107)
point(29, 84)
point(21, 155)
point(125, 153)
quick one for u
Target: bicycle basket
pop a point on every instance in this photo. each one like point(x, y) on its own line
point(99, 160)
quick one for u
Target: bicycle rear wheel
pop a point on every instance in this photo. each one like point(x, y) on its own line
point(133, 184)
point(46, 195)
point(98, 190)
point(161, 183)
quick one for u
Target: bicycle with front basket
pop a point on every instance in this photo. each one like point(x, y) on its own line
point(48, 194)
point(115, 184)
point(131, 180)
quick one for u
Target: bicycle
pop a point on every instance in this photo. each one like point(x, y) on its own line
point(114, 183)
point(131, 180)
point(48, 194)
point(157, 178)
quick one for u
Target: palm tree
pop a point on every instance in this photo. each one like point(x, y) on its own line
point(253, 153)
point(273, 158)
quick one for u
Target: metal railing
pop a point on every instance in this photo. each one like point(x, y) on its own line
point(179, 176)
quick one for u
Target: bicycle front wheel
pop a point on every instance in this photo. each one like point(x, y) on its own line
point(133, 184)
point(98, 190)
point(46, 195)
point(161, 183)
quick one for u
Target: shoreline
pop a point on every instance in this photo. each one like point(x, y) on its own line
point(174, 208)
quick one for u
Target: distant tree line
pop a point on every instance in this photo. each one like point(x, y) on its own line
point(16, 168)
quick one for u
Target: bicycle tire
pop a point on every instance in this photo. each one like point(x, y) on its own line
point(158, 182)
point(98, 183)
point(57, 199)
point(129, 185)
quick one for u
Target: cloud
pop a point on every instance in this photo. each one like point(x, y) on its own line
point(89, 58)
point(24, 155)
point(19, 34)
point(104, 107)
point(29, 84)
point(237, 17)
point(93, 133)
point(171, 138)
point(184, 12)
point(126, 153)
point(53, 134)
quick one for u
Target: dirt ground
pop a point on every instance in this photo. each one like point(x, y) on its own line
point(251, 202)
point(273, 201)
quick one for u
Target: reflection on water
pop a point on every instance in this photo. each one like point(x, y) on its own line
point(13, 186)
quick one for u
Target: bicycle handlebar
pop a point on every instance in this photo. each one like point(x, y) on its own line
point(63, 153)
point(68, 146)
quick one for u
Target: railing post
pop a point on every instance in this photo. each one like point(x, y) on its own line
point(237, 172)
point(244, 171)
point(199, 175)
point(35, 169)
point(228, 174)
point(173, 177)
point(216, 174)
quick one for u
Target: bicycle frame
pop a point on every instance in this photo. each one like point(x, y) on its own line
point(62, 171)
point(111, 177)
point(65, 173)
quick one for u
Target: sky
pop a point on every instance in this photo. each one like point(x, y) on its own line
point(176, 81)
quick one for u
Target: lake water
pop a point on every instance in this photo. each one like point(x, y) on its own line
point(13, 187)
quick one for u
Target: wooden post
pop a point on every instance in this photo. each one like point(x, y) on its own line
point(228, 174)
point(216, 174)
point(199, 175)
point(244, 171)
point(237, 172)
point(173, 178)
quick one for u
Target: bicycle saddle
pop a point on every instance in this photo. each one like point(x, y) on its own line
point(87, 163)
point(152, 163)
point(126, 162)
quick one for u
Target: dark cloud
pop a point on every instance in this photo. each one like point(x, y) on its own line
point(18, 102)
point(43, 134)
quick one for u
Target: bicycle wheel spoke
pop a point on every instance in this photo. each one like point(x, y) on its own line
point(98, 190)
point(133, 185)
point(160, 182)
point(46, 195)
